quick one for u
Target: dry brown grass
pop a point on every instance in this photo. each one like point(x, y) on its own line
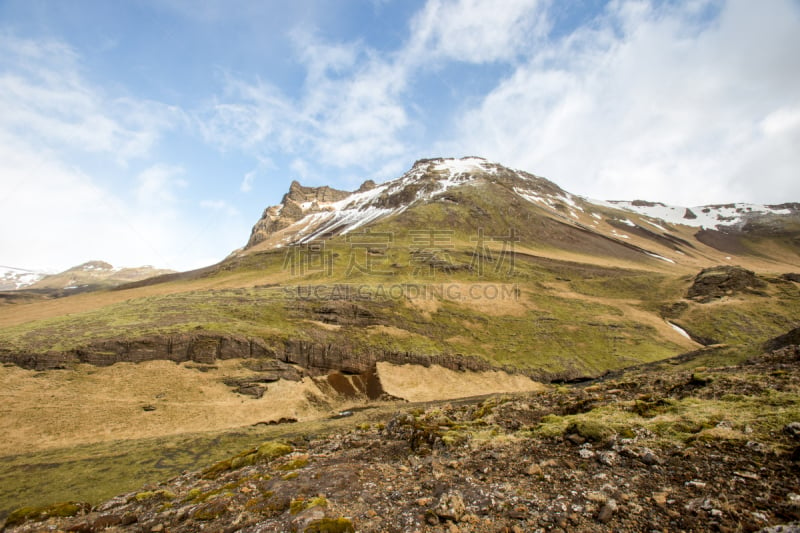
point(86, 404)
point(62, 408)
point(420, 384)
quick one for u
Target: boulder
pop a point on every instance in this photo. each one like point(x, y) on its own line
point(718, 281)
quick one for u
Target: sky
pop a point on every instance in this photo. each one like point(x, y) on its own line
point(157, 131)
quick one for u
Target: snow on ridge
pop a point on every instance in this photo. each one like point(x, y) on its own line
point(12, 278)
point(358, 208)
point(464, 165)
point(706, 216)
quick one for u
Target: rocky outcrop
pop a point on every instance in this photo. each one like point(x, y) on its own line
point(510, 463)
point(716, 282)
point(280, 361)
point(297, 203)
point(197, 347)
point(321, 358)
point(790, 338)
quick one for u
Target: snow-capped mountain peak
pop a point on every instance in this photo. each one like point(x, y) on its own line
point(705, 216)
point(12, 278)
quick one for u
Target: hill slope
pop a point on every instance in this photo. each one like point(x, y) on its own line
point(461, 277)
point(653, 449)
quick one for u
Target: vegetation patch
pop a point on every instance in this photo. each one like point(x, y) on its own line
point(38, 514)
point(331, 525)
point(264, 453)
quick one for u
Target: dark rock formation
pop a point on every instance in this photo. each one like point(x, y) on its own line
point(719, 281)
point(787, 339)
point(278, 362)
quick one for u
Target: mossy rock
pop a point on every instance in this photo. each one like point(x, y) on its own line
point(62, 509)
point(265, 452)
point(299, 505)
point(300, 462)
point(330, 525)
point(18, 516)
point(163, 495)
point(649, 409)
point(453, 438)
point(701, 379)
point(271, 505)
point(591, 430)
point(210, 511)
point(690, 426)
point(272, 450)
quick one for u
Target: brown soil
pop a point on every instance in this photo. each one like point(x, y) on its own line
point(476, 467)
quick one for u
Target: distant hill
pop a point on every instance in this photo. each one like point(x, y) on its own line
point(465, 195)
point(93, 274)
point(17, 278)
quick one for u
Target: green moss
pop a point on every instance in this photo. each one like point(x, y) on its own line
point(240, 461)
point(194, 495)
point(290, 476)
point(331, 525)
point(62, 509)
point(591, 430)
point(272, 450)
point(299, 505)
point(267, 451)
point(454, 438)
point(485, 409)
point(154, 494)
point(300, 462)
point(18, 516)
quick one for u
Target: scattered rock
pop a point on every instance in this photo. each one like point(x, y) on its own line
point(586, 453)
point(606, 512)
point(608, 458)
point(451, 506)
point(793, 527)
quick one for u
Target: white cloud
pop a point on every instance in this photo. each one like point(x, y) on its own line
point(220, 206)
point(155, 186)
point(348, 113)
point(475, 31)
point(247, 181)
point(655, 102)
point(54, 214)
point(46, 101)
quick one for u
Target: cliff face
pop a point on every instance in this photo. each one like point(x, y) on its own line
point(297, 203)
point(282, 359)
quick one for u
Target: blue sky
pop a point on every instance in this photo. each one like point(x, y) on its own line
point(156, 132)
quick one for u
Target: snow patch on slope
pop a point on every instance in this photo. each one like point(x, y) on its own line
point(707, 217)
point(18, 278)
point(361, 208)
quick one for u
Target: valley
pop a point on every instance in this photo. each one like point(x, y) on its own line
point(459, 281)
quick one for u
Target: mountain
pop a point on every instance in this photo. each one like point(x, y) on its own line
point(474, 194)
point(87, 276)
point(95, 274)
point(17, 278)
point(458, 279)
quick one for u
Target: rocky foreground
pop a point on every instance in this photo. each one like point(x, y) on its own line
point(657, 449)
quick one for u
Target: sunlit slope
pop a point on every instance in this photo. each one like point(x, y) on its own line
point(457, 259)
